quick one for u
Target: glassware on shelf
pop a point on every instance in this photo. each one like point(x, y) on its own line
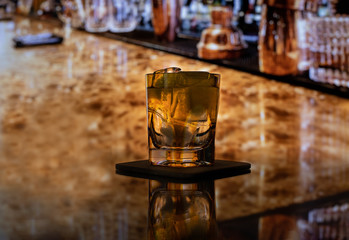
point(283, 43)
point(71, 13)
point(329, 50)
point(145, 14)
point(97, 15)
point(7, 9)
point(24, 6)
point(166, 15)
point(194, 17)
point(123, 15)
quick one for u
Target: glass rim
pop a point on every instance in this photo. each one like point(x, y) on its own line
point(151, 74)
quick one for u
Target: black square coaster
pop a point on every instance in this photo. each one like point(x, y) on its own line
point(220, 169)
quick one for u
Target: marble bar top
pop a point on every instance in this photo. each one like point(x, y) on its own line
point(70, 112)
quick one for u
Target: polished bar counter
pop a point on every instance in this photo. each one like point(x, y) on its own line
point(70, 112)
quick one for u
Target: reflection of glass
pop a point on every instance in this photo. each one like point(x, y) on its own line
point(71, 12)
point(181, 211)
point(97, 15)
point(277, 227)
point(182, 113)
point(124, 16)
point(330, 221)
point(326, 223)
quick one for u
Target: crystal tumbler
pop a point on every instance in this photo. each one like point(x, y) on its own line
point(182, 115)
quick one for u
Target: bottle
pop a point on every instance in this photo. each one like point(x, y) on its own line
point(250, 27)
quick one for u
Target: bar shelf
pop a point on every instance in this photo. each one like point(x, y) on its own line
point(248, 62)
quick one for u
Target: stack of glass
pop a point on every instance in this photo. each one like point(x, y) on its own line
point(329, 49)
point(99, 15)
point(113, 15)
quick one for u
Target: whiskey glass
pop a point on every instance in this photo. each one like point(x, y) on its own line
point(182, 115)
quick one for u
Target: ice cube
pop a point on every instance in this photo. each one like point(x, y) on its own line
point(168, 134)
point(177, 134)
point(163, 77)
point(180, 104)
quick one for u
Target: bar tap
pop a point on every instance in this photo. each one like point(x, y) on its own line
point(283, 42)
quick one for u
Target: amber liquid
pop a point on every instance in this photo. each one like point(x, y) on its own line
point(182, 113)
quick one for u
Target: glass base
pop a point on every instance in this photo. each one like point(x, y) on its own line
point(96, 29)
point(121, 29)
point(181, 158)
